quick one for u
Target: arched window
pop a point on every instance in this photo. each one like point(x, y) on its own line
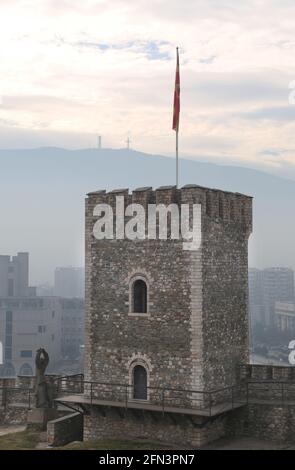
point(26, 369)
point(8, 370)
point(139, 383)
point(139, 296)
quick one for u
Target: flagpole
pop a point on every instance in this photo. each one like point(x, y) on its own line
point(176, 134)
point(176, 109)
point(176, 150)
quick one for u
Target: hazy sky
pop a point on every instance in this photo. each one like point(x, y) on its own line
point(70, 69)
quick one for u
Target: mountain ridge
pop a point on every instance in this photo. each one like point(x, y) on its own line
point(51, 184)
point(145, 155)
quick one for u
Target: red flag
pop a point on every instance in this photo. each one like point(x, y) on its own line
point(176, 107)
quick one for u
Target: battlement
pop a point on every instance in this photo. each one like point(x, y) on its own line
point(267, 372)
point(217, 205)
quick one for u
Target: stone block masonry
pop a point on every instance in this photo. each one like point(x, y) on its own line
point(66, 429)
point(268, 421)
point(196, 330)
point(183, 432)
point(13, 415)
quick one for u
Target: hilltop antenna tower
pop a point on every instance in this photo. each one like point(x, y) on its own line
point(128, 142)
point(99, 142)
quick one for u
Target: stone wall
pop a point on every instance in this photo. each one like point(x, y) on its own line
point(176, 430)
point(21, 389)
point(270, 413)
point(13, 415)
point(225, 301)
point(273, 422)
point(17, 396)
point(12, 395)
point(63, 430)
point(25, 381)
point(6, 382)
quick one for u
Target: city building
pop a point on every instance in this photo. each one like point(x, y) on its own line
point(285, 315)
point(45, 290)
point(266, 287)
point(69, 282)
point(72, 327)
point(256, 298)
point(28, 322)
point(14, 276)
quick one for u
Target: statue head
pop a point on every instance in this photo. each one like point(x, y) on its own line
point(42, 359)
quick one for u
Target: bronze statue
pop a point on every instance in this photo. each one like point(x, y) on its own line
point(42, 393)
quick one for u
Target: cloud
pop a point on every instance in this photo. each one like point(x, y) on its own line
point(278, 113)
point(208, 60)
point(272, 152)
point(153, 50)
point(82, 68)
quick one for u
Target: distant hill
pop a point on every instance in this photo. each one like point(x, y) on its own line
point(42, 200)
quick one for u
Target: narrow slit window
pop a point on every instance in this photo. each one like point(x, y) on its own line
point(232, 210)
point(139, 296)
point(220, 207)
point(208, 204)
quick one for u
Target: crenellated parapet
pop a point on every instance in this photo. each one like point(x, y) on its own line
point(267, 372)
point(217, 206)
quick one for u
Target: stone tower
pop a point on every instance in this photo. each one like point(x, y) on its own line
point(159, 316)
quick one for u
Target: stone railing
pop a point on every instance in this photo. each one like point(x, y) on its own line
point(19, 391)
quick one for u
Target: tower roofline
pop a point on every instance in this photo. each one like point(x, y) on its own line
point(167, 188)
